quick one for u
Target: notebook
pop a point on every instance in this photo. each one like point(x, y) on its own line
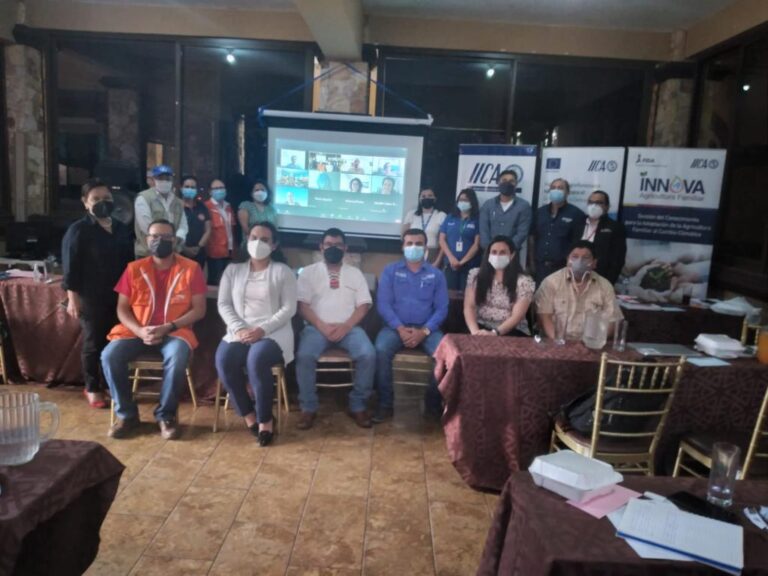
point(708, 541)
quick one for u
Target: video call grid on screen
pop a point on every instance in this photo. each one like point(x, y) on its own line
point(362, 183)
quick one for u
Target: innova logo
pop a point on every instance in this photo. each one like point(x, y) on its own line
point(602, 166)
point(710, 163)
point(488, 172)
point(674, 185)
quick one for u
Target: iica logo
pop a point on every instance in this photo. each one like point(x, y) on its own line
point(488, 172)
point(602, 166)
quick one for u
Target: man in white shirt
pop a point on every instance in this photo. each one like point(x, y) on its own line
point(333, 299)
point(158, 203)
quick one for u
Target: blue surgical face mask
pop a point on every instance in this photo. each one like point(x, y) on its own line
point(219, 194)
point(556, 196)
point(414, 253)
point(189, 193)
point(464, 206)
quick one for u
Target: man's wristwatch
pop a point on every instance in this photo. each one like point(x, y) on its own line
point(426, 331)
point(174, 327)
point(495, 331)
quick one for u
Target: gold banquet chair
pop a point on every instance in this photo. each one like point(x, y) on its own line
point(748, 329)
point(412, 368)
point(278, 371)
point(336, 361)
point(699, 447)
point(627, 451)
point(150, 367)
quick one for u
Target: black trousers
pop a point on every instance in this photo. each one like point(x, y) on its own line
point(96, 320)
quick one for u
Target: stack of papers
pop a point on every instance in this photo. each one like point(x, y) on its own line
point(663, 531)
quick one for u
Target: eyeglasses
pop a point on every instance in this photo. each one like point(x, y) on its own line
point(160, 236)
point(598, 202)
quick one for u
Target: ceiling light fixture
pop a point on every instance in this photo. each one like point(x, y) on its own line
point(231, 57)
point(746, 87)
point(490, 72)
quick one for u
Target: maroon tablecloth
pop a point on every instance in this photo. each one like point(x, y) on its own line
point(34, 315)
point(500, 394)
point(535, 533)
point(52, 508)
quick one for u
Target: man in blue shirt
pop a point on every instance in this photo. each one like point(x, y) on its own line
point(412, 300)
point(558, 226)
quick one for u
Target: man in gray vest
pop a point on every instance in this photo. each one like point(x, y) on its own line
point(158, 203)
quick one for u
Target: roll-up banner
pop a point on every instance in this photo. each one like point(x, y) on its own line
point(586, 170)
point(670, 209)
point(481, 164)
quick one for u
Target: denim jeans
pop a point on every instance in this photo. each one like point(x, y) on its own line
point(388, 343)
point(312, 344)
point(457, 279)
point(258, 359)
point(114, 362)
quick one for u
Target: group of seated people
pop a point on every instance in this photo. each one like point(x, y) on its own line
point(150, 305)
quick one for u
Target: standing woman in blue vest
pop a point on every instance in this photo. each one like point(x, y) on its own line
point(460, 240)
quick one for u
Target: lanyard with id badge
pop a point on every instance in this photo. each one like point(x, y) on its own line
point(460, 242)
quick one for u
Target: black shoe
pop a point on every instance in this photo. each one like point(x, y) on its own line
point(254, 428)
point(265, 437)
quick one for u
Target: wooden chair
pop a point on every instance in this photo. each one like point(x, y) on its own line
point(412, 368)
point(627, 451)
point(3, 369)
point(152, 363)
point(750, 333)
point(278, 371)
point(336, 361)
point(699, 446)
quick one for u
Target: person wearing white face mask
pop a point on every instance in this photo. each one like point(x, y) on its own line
point(257, 300)
point(258, 209)
point(221, 241)
point(574, 291)
point(557, 227)
point(608, 236)
point(498, 293)
point(158, 203)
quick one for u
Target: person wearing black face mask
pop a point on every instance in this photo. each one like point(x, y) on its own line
point(428, 218)
point(507, 214)
point(160, 298)
point(95, 251)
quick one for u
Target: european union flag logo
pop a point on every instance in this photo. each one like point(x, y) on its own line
point(553, 163)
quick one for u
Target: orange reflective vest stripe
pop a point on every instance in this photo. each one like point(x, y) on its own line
point(178, 300)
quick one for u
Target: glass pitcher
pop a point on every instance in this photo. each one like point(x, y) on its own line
point(20, 436)
point(595, 330)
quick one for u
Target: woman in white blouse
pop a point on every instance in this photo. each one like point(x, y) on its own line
point(498, 293)
point(257, 300)
point(428, 218)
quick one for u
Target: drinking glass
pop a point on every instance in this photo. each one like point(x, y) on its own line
point(722, 476)
point(561, 329)
point(620, 335)
point(595, 330)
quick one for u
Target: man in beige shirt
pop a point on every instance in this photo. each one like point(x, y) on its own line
point(575, 291)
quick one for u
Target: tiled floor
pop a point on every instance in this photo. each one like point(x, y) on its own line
point(336, 500)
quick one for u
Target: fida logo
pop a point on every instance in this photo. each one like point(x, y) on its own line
point(710, 163)
point(602, 166)
point(644, 159)
point(675, 185)
point(488, 172)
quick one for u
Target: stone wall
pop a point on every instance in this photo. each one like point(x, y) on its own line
point(26, 130)
point(673, 100)
point(342, 91)
point(123, 129)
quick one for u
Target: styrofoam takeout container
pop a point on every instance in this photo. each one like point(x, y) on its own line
point(573, 476)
